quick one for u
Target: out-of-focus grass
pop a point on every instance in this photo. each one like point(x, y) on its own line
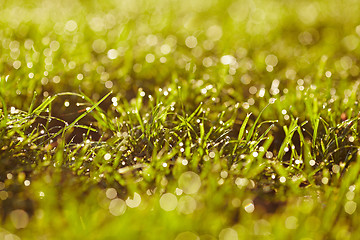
point(179, 119)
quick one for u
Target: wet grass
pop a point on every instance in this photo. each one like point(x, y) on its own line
point(179, 119)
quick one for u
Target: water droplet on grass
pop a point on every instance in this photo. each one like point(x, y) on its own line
point(112, 54)
point(134, 202)
point(191, 42)
point(291, 222)
point(27, 183)
point(168, 202)
point(99, 45)
point(107, 156)
point(228, 234)
point(249, 206)
point(227, 60)
point(150, 58)
point(71, 26)
point(271, 60)
point(17, 64)
point(165, 49)
point(187, 236)
point(325, 180)
point(350, 207)
point(187, 205)
point(111, 193)
point(19, 218)
point(189, 182)
point(117, 207)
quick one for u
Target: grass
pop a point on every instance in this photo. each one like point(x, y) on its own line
point(179, 119)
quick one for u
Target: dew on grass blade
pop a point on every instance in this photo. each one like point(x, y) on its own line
point(54, 46)
point(133, 202)
point(117, 207)
point(271, 60)
point(4, 195)
point(227, 60)
point(19, 218)
point(17, 64)
point(150, 58)
point(351, 42)
point(191, 42)
point(224, 174)
point(187, 236)
point(186, 205)
point(350, 195)
point(246, 105)
point(207, 62)
point(214, 32)
point(248, 205)
point(178, 191)
point(109, 84)
point(56, 79)
point(189, 182)
point(228, 234)
point(28, 44)
point(335, 168)
point(252, 90)
point(71, 26)
point(291, 222)
point(99, 45)
point(350, 207)
point(168, 202)
point(269, 68)
point(107, 156)
point(27, 183)
point(325, 180)
point(41, 195)
point(112, 54)
point(163, 59)
point(262, 227)
point(111, 193)
point(236, 202)
point(269, 154)
point(151, 40)
point(165, 49)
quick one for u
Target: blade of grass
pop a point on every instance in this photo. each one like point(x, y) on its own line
point(81, 116)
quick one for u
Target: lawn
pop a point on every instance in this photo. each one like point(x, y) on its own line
point(184, 120)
